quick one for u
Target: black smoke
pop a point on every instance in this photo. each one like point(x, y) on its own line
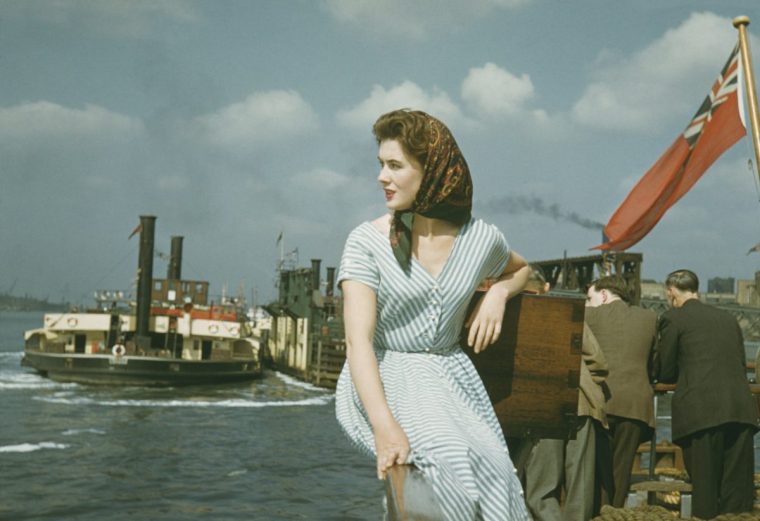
point(519, 204)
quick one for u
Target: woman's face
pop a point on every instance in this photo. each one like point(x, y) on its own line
point(400, 175)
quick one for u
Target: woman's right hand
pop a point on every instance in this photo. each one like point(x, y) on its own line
point(392, 446)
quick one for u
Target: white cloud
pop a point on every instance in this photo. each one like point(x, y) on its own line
point(663, 80)
point(406, 95)
point(43, 119)
point(415, 20)
point(124, 18)
point(492, 91)
point(263, 117)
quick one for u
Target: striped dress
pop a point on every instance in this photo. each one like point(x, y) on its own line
point(430, 384)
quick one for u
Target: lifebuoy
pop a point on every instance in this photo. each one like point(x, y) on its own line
point(118, 350)
point(213, 329)
point(72, 321)
point(234, 330)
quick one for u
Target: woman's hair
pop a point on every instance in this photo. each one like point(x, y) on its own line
point(614, 284)
point(683, 280)
point(409, 127)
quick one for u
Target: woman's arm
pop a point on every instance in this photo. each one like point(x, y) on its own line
point(359, 316)
point(485, 320)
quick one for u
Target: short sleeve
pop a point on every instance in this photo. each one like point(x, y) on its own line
point(499, 254)
point(358, 263)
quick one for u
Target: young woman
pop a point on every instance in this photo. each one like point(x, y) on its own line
point(408, 393)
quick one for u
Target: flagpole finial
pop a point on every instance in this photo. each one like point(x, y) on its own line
point(741, 20)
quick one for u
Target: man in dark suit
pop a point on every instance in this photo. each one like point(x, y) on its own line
point(627, 335)
point(715, 417)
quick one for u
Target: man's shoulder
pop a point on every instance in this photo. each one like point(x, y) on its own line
point(620, 312)
point(642, 313)
point(622, 308)
point(693, 310)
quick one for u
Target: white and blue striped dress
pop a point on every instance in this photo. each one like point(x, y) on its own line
point(430, 384)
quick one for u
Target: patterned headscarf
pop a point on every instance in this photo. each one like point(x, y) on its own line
point(445, 192)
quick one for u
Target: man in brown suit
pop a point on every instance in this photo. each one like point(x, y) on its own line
point(627, 336)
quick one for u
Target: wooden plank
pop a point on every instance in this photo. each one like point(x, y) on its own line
point(532, 372)
point(661, 486)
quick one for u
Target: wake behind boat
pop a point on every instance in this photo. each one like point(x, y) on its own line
point(171, 336)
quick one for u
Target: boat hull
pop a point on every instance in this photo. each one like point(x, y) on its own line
point(139, 370)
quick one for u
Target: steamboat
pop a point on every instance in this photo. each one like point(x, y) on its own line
point(170, 336)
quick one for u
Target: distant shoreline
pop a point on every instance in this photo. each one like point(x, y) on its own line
point(26, 303)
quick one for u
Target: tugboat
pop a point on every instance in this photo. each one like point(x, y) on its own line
point(170, 336)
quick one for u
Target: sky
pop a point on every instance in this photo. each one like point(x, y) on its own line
point(234, 122)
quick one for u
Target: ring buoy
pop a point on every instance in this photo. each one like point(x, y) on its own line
point(72, 321)
point(118, 350)
point(213, 329)
point(234, 330)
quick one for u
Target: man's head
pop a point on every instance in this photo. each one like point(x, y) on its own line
point(606, 290)
point(537, 281)
point(680, 286)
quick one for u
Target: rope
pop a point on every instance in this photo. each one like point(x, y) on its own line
point(657, 513)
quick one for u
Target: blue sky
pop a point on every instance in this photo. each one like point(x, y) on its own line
point(233, 121)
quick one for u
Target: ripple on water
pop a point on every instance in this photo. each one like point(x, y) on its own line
point(31, 447)
point(13, 380)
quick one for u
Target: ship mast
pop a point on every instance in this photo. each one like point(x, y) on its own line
point(741, 23)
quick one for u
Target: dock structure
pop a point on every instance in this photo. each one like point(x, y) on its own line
point(306, 338)
point(576, 273)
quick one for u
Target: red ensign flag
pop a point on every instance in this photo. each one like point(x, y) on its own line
point(716, 126)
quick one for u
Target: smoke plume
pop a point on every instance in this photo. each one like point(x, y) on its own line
point(514, 205)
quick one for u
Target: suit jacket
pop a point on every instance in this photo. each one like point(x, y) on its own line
point(591, 398)
point(701, 349)
point(627, 335)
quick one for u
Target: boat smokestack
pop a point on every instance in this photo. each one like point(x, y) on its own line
point(174, 270)
point(330, 282)
point(315, 267)
point(145, 281)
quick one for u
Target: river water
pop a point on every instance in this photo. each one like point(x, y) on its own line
point(269, 449)
point(265, 450)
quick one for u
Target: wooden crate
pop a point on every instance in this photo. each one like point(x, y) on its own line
point(532, 372)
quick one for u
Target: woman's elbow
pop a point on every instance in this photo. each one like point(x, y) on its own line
point(355, 347)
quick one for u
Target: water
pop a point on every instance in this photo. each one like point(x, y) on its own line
point(268, 450)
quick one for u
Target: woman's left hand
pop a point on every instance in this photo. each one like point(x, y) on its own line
point(485, 321)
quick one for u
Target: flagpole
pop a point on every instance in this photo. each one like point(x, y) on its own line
point(741, 23)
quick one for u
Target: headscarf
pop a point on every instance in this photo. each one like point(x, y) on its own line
point(445, 192)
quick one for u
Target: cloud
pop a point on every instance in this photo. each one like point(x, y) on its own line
point(414, 20)
point(121, 18)
point(43, 119)
point(262, 118)
point(406, 95)
point(660, 82)
point(492, 91)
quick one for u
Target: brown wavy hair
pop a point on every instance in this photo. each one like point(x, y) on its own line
point(411, 128)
